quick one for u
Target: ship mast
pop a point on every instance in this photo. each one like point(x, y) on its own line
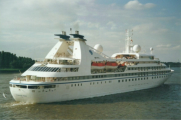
point(128, 42)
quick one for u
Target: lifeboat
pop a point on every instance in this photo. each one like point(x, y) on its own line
point(111, 65)
point(97, 65)
point(121, 65)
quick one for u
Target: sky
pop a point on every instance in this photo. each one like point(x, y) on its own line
point(27, 27)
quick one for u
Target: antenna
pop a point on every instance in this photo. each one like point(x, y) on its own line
point(70, 30)
point(151, 50)
point(129, 41)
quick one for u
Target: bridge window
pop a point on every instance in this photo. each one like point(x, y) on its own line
point(21, 86)
point(49, 86)
point(33, 87)
point(53, 69)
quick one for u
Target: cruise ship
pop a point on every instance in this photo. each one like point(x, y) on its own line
point(74, 70)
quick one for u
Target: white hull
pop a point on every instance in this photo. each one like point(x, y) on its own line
point(64, 91)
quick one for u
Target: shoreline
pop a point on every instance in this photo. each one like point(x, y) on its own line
point(172, 64)
point(12, 70)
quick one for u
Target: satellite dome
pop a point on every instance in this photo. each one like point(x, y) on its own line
point(151, 49)
point(98, 47)
point(136, 48)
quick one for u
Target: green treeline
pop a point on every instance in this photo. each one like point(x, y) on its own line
point(9, 60)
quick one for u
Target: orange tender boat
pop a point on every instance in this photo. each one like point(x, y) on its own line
point(111, 65)
point(97, 65)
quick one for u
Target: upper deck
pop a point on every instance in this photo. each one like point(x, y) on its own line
point(73, 57)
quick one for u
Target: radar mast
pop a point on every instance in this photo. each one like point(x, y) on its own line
point(129, 41)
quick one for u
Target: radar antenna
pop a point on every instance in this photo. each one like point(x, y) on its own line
point(151, 50)
point(129, 41)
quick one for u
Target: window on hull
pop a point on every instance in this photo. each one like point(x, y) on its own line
point(42, 87)
point(49, 86)
point(19, 86)
point(33, 87)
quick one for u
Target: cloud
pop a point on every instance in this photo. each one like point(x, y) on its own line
point(112, 24)
point(136, 5)
point(178, 22)
point(160, 31)
point(150, 28)
point(165, 46)
point(32, 23)
point(176, 47)
point(168, 47)
point(76, 25)
point(93, 25)
point(143, 27)
point(40, 15)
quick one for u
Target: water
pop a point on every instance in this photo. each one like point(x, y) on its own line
point(163, 102)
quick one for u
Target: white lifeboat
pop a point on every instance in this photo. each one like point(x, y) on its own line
point(95, 65)
point(111, 65)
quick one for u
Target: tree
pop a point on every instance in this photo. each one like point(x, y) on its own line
point(10, 60)
point(13, 64)
point(0, 59)
point(27, 65)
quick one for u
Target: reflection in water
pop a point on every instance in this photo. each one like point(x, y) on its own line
point(163, 102)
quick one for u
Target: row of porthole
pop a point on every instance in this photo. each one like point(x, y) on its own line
point(141, 79)
point(45, 90)
point(160, 77)
point(133, 79)
point(146, 68)
point(76, 85)
point(109, 82)
point(92, 83)
point(137, 84)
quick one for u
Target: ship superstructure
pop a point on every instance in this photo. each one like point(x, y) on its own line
point(74, 70)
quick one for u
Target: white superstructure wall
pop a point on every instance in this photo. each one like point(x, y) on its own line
point(81, 52)
point(60, 49)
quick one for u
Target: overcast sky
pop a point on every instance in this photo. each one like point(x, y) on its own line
point(27, 27)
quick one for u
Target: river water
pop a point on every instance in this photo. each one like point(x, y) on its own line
point(163, 102)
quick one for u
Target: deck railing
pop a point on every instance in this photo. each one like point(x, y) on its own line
point(156, 58)
point(76, 62)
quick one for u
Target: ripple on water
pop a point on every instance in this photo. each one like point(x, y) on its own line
point(14, 104)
